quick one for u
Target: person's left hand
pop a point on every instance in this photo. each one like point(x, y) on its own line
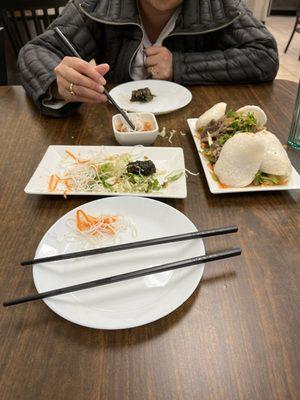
point(159, 62)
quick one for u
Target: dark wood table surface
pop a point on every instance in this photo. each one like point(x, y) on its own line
point(237, 337)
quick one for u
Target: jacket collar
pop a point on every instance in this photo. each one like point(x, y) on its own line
point(195, 16)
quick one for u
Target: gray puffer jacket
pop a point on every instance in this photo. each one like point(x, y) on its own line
point(214, 41)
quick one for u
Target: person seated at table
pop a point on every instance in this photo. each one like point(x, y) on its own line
point(191, 42)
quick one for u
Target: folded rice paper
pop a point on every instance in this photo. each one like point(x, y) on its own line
point(240, 159)
point(214, 113)
point(275, 160)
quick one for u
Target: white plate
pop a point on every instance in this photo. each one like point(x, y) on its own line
point(129, 303)
point(169, 96)
point(214, 187)
point(165, 159)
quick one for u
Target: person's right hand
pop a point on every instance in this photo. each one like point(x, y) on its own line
point(88, 81)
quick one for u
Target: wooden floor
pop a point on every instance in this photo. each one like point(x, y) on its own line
point(281, 28)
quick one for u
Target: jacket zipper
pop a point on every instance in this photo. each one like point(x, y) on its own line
point(117, 23)
point(170, 35)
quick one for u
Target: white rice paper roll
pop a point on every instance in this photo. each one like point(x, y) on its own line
point(216, 112)
point(239, 160)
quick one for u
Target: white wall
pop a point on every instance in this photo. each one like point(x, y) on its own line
point(259, 8)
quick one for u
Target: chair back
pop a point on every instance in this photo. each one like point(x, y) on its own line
point(3, 74)
point(25, 19)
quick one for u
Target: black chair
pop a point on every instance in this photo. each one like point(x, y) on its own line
point(296, 27)
point(3, 74)
point(24, 19)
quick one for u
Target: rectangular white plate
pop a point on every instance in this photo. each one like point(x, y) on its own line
point(293, 183)
point(165, 159)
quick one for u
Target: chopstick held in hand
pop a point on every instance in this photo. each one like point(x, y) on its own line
point(71, 48)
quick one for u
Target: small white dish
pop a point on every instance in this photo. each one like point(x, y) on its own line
point(169, 96)
point(144, 138)
point(292, 184)
point(166, 159)
point(129, 303)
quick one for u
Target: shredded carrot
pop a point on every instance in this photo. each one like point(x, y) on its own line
point(77, 160)
point(94, 168)
point(85, 219)
point(222, 185)
point(108, 229)
point(110, 219)
point(147, 126)
point(53, 182)
point(66, 181)
point(85, 222)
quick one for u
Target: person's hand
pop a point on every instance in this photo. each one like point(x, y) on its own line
point(159, 62)
point(79, 81)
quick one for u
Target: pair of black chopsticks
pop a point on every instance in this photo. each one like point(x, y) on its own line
point(67, 43)
point(134, 274)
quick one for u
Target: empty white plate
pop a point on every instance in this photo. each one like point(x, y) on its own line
point(169, 96)
point(129, 303)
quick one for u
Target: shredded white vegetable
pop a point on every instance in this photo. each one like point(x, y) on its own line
point(103, 172)
point(172, 133)
point(87, 239)
point(136, 120)
point(209, 139)
point(188, 172)
point(163, 132)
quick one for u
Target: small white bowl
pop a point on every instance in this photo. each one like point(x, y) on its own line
point(145, 138)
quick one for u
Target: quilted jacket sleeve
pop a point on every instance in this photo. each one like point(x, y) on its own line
point(246, 52)
point(39, 57)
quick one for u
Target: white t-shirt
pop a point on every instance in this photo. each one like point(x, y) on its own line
point(138, 69)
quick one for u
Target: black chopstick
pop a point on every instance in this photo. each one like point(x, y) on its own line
point(67, 43)
point(134, 245)
point(128, 275)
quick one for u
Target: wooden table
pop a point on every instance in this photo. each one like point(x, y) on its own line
point(237, 337)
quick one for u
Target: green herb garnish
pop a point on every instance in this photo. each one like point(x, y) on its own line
point(267, 179)
point(230, 113)
point(223, 139)
point(242, 123)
